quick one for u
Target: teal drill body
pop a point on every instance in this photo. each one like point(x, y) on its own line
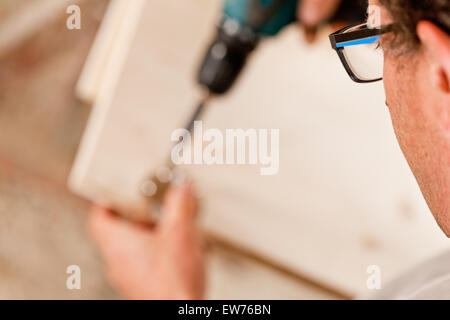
point(282, 14)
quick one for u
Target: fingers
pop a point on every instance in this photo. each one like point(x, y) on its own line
point(314, 12)
point(180, 207)
point(99, 220)
point(110, 231)
point(113, 234)
point(103, 224)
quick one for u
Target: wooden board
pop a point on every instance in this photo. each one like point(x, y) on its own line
point(235, 276)
point(344, 198)
point(114, 35)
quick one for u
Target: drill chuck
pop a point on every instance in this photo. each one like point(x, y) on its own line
point(226, 56)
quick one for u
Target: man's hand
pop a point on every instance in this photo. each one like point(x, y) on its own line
point(312, 13)
point(164, 262)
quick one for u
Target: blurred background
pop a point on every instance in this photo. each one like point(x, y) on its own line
point(44, 111)
point(42, 224)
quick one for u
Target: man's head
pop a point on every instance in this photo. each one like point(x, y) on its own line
point(417, 85)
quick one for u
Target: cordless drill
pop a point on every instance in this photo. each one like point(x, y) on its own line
point(243, 25)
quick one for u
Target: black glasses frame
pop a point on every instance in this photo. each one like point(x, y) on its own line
point(340, 39)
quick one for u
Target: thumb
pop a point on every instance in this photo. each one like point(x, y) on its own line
point(180, 208)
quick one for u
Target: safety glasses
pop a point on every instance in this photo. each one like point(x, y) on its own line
point(360, 52)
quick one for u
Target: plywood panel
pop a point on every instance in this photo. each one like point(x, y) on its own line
point(344, 198)
point(234, 276)
point(114, 35)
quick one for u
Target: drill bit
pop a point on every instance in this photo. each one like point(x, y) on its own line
point(196, 115)
point(155, 187)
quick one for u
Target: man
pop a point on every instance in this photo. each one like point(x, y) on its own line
point(167, 262)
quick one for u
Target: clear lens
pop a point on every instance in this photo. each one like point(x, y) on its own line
point(365, 60)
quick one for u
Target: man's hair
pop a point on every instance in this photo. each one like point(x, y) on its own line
point(406, 14)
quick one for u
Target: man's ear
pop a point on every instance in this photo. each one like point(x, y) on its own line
point(436, 43)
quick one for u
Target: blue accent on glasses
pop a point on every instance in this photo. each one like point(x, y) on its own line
point(356, 42)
